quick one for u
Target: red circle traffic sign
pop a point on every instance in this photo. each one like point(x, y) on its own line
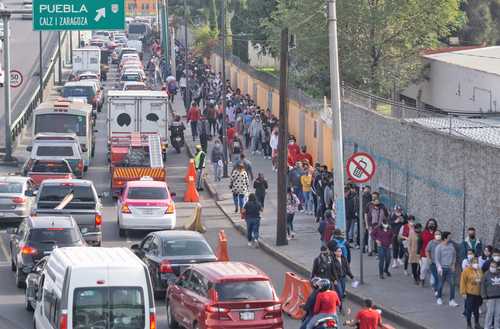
point(361, 167)
point(16, 78)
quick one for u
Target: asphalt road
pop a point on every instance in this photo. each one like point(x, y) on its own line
point(24, 58)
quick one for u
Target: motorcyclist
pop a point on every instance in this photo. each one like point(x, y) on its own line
point(308, 307)
point(325, 306)
point(176, 129)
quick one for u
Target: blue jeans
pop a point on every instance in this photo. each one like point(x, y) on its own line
point(449, 276)
point(239, 200)
point(289, 223)
point(253, 225)
point(435, 276)
point(341, 287)
point(384, 259)
point(308, 201)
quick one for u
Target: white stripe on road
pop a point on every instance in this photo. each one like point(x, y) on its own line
point(4, 250)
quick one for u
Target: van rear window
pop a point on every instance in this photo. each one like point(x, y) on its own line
point(244, 291)
point(64, 151)
point(108, 308)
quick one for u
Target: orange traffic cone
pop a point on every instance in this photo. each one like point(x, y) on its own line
point(191, 194)
point(222, 253)
point(191, 171)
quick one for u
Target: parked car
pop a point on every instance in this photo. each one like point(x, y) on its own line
point(145, 205)
point(80, 201)
point(95, 288)
point(37, 237)
point(40, 170)
point(33, 284)
point(223, 295)
point(16, 198)
point(168, 253)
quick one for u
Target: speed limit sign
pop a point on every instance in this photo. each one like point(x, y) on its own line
point(16, 78)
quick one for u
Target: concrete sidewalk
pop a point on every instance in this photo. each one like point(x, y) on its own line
point(403, 302)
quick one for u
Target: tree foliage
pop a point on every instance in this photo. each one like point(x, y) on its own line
point(379, 40)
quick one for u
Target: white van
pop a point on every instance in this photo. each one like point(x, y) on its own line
point(95, 288)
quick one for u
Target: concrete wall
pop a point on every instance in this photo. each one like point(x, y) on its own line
point(429, 173)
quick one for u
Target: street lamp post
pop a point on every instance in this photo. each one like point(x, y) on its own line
point(223, 94)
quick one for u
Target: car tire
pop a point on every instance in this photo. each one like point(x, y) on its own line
point(172, 324)
point(20, 279)
point(27, 304)
point(12, 265)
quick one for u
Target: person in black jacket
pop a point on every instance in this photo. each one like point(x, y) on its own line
point(342, 270)
point(260, 185)
point(323, 266)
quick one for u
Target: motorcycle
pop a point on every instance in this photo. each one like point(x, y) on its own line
point(326, 323)
point(177, 138)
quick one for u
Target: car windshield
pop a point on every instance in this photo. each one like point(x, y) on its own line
point(10, 187)
point(147, 193)
point(54, 235)
point(51, 167)
point(244, 290)
point(136, 87)
point(186, 248)
point(53, 150)
point(60, 191)
point(61, 123)
point(137, 28)
point(79, 91)
point(131, 77)
point(108, 308)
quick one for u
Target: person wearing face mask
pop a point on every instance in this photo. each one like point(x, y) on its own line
point(323, 266)
point(470, 288)
point(404, 233)
point(486, 258)
point(430, 252)
point(293, 151)
point(490, 292)
point(446, 257)
point(471, 242)
point(414, 240)
point(467, 262)
point(427, 236)
point(383, 237)
point(273, 142)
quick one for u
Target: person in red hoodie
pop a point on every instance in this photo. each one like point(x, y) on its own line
point(326, 304)
point(193, 116)
point(293, 151)
point(427, 235)
point(303, 155)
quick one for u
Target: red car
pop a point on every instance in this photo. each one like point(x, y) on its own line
point(223, 295)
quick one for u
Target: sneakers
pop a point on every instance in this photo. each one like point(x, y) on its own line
point(236, 209)
point(381, 277)
point(452, 303)
point(256, 243)
point(400, 262)
point(406, 273)
point(435, 293)
point(388, 274)
point(249, 244)
point(394, 264)
point(292, 235)
point(439, 301)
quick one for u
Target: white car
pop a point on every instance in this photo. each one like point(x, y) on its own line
point(146, 205)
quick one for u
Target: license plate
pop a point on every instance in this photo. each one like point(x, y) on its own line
point(147, 211)
point(247, 316)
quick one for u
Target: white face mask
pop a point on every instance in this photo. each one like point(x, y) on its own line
point(469, 257)
point(475, 266)
point(385, 226)
point(496, 258)
point(438, 237)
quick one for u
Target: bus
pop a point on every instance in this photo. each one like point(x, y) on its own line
point(63, 116)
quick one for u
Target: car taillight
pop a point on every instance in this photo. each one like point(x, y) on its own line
point(63, 320)
point(331, 323)
point(98, 220)
point(152, 318)
point(170, 208)
point(125, 209)
point(219, 312)
point(28, 250)
point(18, 200)
point(165, 267)
point(273, 311)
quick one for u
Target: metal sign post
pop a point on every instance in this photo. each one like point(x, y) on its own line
point(361, 168)
point(6, 60)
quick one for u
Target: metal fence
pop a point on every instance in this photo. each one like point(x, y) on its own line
point(24, 116)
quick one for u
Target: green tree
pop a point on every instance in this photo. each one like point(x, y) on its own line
point(480, 27)
point(379, 40)
point(212, 15)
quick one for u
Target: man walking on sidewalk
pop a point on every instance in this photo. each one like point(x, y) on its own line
point(193, 116)
point(383, 236)
point(446, 256)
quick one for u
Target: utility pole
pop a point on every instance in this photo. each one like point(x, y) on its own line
point(6, 87)
point(59, 63)
point(40, 65)
point(225, 171)
point(187, 102)
point(337, 145)
point(281, 236)
point(71, 47)
point(79, 38)
point(164, 16)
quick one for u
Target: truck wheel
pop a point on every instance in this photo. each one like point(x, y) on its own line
point(19, 278)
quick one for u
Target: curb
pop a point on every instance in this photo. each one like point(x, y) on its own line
point(357, 298)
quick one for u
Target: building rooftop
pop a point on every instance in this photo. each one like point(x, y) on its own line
point(485, 59)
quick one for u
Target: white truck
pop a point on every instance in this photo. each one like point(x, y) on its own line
point(87, 59)
point(143, 111)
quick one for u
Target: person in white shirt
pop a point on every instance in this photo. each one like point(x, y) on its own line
point(274, 148)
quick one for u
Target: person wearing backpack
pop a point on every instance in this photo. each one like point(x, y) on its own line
point(338, 241)
point(323, 266)
point(326, 227)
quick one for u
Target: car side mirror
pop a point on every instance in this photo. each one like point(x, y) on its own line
point(135, 247)
point(29, 148)
point(173, 194)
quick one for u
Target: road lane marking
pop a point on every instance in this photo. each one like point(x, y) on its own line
point(4, 250)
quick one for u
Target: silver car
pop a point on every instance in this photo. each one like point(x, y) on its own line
point(16, 198)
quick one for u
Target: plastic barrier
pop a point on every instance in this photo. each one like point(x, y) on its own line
point(191, 172)
point(222, 252)
point(191, 194)
point(295, 293)
point(195, 224)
